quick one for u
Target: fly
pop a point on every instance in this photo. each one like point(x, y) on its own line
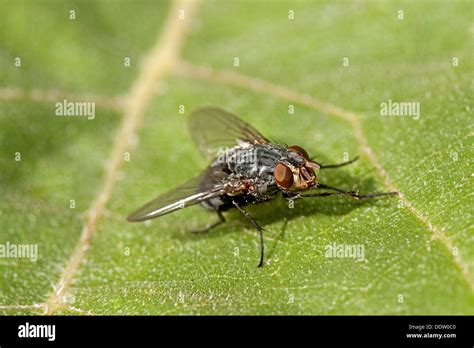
point(245, 168)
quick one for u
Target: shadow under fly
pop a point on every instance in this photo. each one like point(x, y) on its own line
point(246, 168)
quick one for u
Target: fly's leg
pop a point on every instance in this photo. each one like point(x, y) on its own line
point(338, 192)
point(290, 196)
point(257, 226)
point(324, 166)
point(210, 227)
point(322, 194)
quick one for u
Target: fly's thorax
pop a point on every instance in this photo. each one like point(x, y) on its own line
point(249, 165)
point(253, 161)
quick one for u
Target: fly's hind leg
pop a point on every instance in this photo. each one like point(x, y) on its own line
point(257, 227)
point(210, 227)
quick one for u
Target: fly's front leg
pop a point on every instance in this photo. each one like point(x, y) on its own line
point(257, 226)
point(215, 224)
point(323, 166)
point(289, 196)
point(339, 192)
point(322, 194)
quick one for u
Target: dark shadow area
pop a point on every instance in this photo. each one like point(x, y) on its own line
point(277, 210)
point(279, 237)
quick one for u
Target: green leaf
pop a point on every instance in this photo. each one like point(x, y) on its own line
point(418, 249)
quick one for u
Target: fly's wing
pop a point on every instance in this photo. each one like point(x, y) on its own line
point(190, 193)
point(214, 129)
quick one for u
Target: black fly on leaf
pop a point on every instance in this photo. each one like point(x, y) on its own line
point(246, 168)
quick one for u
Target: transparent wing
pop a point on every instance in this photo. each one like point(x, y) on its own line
point(213, 129)
point(190, 193)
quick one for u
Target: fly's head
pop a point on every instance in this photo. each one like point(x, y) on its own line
point(296, 172)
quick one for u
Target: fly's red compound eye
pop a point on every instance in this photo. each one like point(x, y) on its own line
point(300, 150)
point(283, 176)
